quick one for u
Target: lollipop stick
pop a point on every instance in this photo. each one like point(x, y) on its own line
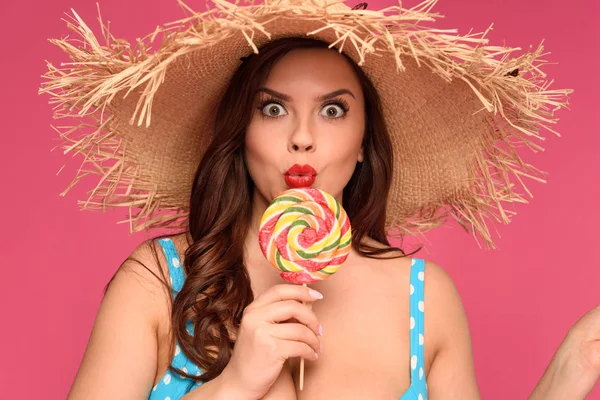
point(302, 360)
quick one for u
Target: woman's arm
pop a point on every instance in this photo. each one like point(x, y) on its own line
point(452, 374)
point(575, 367)
point(121, 355)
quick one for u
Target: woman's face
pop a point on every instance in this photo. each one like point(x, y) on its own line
point(310, 111)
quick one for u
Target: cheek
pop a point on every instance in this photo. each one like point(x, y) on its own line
point(342, 156)
point(345, 148)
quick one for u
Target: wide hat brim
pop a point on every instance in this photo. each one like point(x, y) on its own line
point(456, 108)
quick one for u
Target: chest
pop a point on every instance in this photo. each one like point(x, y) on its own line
point(366, 343)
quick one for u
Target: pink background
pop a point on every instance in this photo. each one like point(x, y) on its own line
point(520, 300)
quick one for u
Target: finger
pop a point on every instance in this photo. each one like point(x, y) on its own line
point(286, 292)
point(285, 310)
point(288, 348)
point(297, 333)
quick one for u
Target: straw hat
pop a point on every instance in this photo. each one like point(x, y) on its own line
point(456, 108)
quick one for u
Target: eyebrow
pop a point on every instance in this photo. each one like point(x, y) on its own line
point(322, 97)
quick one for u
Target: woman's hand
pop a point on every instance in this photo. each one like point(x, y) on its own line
point(265, 341)
point(575, 367)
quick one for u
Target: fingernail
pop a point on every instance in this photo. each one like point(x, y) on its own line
point(320, 329)
point(315, 294)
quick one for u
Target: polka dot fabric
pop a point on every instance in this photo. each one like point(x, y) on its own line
point(418, 384)
point(173, 386)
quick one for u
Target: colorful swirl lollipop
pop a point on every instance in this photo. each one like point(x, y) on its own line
point(305, 233)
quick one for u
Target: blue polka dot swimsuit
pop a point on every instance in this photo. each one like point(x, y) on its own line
point(174, 386)
point(418, 384)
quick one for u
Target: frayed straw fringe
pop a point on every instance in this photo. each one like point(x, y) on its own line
point(85, 86)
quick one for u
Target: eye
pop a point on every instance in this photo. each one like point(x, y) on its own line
point(273, 109)
point(333, 111)
point(336, 109)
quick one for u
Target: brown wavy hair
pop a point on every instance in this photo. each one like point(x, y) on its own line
point(217, 286)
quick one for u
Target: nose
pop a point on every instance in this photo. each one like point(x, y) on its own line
point(301, 147)
point(301, 140)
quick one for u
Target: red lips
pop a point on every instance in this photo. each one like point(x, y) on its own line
point(300, 176)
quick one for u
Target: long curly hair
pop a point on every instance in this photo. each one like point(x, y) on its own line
point(217, 286)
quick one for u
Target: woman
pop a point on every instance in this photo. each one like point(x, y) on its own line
point(296, 102)
point(364, 312)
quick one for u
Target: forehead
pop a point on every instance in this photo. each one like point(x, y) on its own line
point(313, 68)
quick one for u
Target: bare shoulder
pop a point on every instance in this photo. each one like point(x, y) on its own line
point(439, 284)
point(445, 311)
point(120, 359)
point(445, 318)
point(448, 336)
